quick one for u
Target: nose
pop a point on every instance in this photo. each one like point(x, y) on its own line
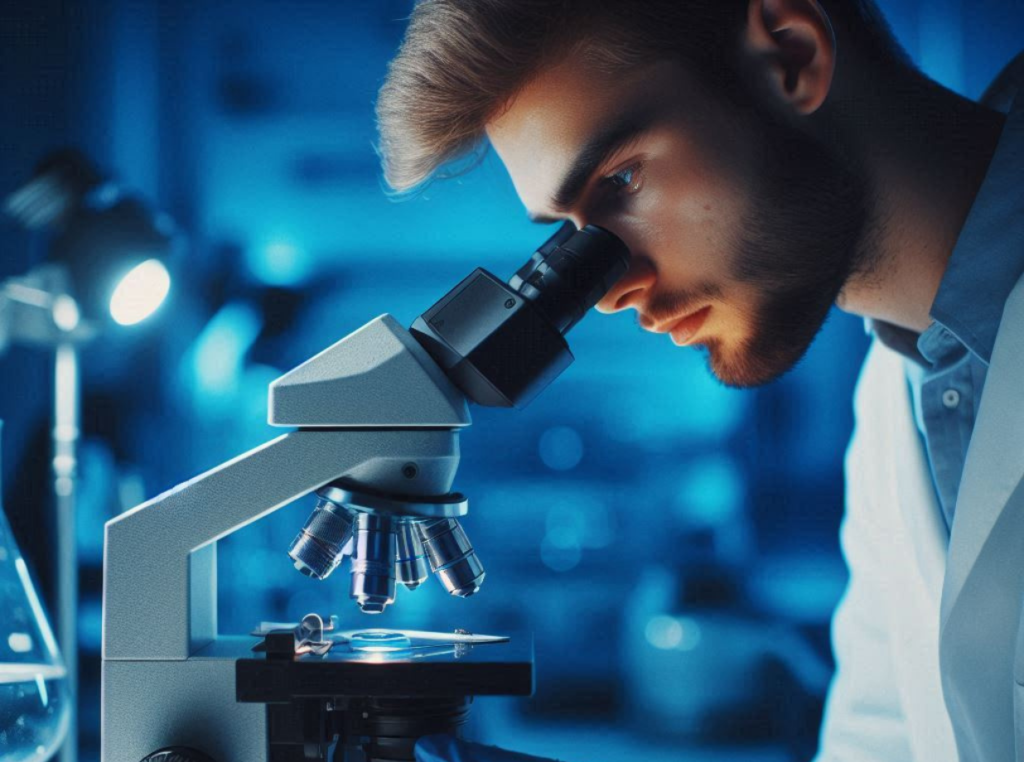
point(631, 290)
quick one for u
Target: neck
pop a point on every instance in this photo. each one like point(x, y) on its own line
point(925, 151)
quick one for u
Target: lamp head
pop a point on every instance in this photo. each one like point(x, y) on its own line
point(113, 247)
point(114, 251)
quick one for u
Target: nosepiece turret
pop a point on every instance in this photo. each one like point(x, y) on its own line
point(389, 539)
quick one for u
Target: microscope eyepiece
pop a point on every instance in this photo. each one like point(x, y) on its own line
point(321, 545)
point(502, 343)
point(452, 558)
point(571, 272)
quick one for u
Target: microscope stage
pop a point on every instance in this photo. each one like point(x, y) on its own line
point(444, 670)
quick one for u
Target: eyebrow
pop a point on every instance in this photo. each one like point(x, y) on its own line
point(590, 158)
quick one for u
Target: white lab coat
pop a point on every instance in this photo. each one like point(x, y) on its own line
point(928, 637)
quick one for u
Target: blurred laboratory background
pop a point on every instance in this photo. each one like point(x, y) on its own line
point(670, 543)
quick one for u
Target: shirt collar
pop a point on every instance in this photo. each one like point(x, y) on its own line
point(985, 265)
point(988, 258)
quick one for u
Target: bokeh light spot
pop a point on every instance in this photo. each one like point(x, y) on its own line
point(663, 632)
point(561, 448)
point(560, 549)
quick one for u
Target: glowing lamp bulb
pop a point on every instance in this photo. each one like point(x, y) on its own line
point(140, 292)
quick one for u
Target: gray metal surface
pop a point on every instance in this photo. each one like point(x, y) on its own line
point(149, 705)
point(446, 506)
point(159, 576)
point(377, 376)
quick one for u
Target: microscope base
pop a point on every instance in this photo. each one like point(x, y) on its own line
point(150, 705)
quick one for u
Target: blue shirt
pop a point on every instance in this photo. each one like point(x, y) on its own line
point(947, 364)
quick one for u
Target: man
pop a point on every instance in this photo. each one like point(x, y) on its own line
point(763, 160)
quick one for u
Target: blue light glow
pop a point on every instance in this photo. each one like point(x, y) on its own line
point(670, 633)
point(279, 262)
point(621, 502)
point(663, 632)
point(219, 351)
point(941, 42)
point(711, 491)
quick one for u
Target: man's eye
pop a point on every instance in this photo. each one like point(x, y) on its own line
point(627, 180)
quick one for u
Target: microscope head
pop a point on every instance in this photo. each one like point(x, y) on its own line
point(494, 343)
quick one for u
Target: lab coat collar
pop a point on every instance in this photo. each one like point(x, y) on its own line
point(994, 467)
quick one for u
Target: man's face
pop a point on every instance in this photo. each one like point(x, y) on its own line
point(742, 227)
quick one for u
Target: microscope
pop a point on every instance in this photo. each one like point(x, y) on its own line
point(376, 420)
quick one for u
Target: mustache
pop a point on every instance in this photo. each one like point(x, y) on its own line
point(668, 305)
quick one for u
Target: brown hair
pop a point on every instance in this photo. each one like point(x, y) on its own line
point(462, 61)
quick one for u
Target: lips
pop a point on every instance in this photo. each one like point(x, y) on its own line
point(686, 329)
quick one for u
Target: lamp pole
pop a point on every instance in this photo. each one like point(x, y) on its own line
point(65, 473)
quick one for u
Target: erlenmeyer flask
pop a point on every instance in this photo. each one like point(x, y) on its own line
point(33, 681)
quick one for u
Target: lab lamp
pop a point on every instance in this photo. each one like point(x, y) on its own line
point(106, 261)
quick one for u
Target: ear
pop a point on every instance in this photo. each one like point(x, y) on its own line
point(792, 42)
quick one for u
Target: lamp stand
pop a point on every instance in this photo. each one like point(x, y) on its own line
point(65, 482)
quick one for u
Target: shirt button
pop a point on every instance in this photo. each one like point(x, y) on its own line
point(951, 398)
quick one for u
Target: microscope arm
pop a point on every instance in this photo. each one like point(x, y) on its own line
point(160, 582)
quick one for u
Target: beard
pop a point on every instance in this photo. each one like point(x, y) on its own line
point(803, 236)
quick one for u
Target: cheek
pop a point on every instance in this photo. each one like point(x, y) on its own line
point(690, 218)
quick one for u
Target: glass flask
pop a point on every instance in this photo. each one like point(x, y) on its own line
point(34, 699)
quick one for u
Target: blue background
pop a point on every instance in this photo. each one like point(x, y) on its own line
point(671, 543)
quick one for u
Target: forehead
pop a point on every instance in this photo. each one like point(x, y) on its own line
point(555, 114)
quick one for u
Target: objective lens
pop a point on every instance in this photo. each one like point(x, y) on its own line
point(571, 272)
point(373, 563)
point(451, 555)
point(319, 547)
point(410, 560)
